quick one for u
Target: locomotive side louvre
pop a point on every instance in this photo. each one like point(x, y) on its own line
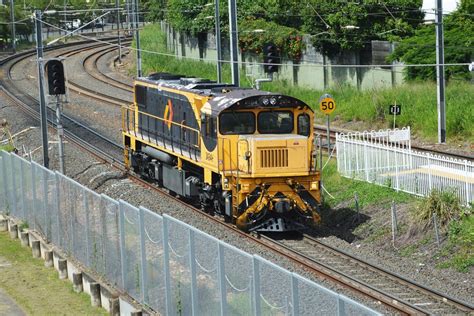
point(244, 153)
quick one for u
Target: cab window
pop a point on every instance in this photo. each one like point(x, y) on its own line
point(304, 127)
point(275, 122)
point(237, 123)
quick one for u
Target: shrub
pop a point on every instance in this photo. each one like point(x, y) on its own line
point(445, 204)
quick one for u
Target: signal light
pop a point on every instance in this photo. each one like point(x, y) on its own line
point(271, 58)
point(56, 82)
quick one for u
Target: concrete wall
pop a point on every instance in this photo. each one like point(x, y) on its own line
point(314, 71)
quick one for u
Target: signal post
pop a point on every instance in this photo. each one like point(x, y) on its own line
point(57, 86)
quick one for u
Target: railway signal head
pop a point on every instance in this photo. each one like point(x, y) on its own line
point(271, 58)
point(56, 83)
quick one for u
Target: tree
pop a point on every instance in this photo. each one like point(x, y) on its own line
point(339, 25)
point(458, 46)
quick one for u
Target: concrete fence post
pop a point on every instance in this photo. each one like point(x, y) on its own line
point(13, 230)
point(95, 294)
point(3, 225)
point(62, 267)
point(77, 282)
point(48, 259)
point(24, 239)
point(36, 248)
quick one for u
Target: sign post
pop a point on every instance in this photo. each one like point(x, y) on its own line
point(395, 110)
point(327, 105)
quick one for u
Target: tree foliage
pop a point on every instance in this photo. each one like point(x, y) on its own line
point(458, 46)
point(339, 25)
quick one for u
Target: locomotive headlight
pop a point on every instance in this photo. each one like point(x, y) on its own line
point(273, 101)
point(314, 185)
point(265, 101)
point(226, 182)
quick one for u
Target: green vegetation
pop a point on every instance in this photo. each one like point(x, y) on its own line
point(458, 48)
point(343, 189)
point(369, 108)
point(7, 147)
point(445, 204)
point(36, 288)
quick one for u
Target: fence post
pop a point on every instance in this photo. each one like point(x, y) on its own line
point(341, 308)
point(366, 163)
point(397, 183)
point(33, 195)
point(144, 281)
point(256, 287)
point(192, 269)
point(468, 194)
point(222, 282)
point(295, 297)
point(88, 238)
point(13, 190)
point(3, 162)
point(435, 223)
point(58, 202)
point(429, 173)
point(22, 189)
point(122, 242)
point(394, 222)
point(166, 268)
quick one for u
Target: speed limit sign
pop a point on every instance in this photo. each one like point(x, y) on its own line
point(327, 105)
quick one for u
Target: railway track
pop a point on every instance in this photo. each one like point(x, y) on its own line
point(292, 250)
point(383, 283)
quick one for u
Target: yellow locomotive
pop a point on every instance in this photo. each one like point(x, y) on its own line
point(244, 153)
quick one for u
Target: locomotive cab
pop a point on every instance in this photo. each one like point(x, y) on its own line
point(265, 147)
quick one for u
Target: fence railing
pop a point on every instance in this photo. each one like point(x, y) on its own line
point(161, 262)
point(397, 166)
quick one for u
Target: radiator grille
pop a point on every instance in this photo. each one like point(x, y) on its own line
point(273, 158)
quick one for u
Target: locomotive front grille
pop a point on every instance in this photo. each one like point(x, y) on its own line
point(273, 158)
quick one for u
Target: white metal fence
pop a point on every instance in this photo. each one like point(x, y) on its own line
point(161, 262)
point(392, 163)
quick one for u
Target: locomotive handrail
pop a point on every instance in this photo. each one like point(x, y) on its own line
point(163, 119)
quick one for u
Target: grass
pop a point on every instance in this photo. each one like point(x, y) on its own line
point(368, 108)
point(36, 288)
point(7, 147)
point(343, 189)
point(461, 243)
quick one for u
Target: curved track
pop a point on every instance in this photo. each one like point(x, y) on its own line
point(384, 288)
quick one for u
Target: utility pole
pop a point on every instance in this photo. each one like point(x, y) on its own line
point(65, 17)
point(233, 42)
point(127, 17)
point(440, 73)
point(137, 39)
point(12, 21)
point(42, 105)
point(117, 7)
point(217, 19)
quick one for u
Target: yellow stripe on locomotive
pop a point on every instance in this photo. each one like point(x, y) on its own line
point(243, 153)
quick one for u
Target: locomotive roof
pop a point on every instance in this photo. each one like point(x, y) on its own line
point(223, 96)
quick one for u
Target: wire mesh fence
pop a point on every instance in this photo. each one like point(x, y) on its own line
point(392, 163)
point(161, 262)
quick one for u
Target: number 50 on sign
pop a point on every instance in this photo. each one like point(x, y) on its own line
point(327, 104)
